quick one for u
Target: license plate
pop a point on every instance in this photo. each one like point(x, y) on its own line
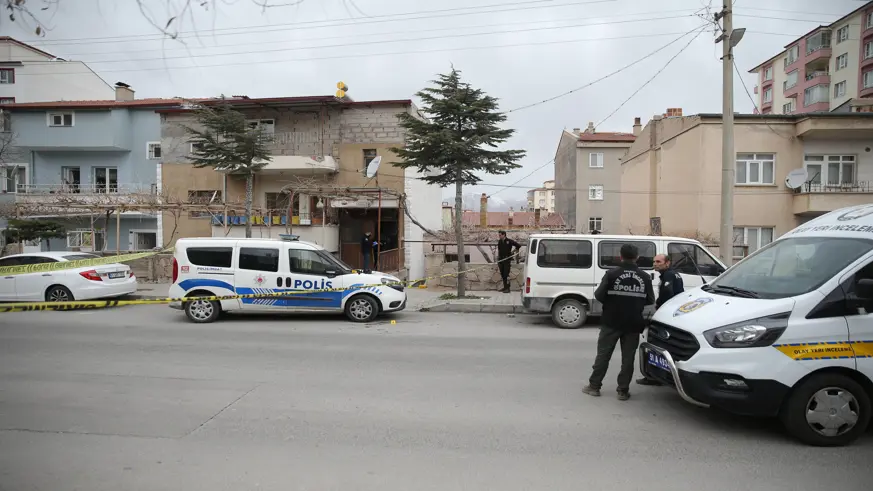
point(657, 360)
point(113, 276)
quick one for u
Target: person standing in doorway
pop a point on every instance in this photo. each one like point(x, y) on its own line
point(625, 291)
point(505, 246)
point(671, 285)
point(366, 251)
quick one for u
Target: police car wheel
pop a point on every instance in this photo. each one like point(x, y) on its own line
point(827, 410)
point(202, 311)
point(362, 308)
point(569, 314)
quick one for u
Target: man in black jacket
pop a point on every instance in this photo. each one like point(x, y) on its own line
point(367, 250)
point(624, 292)
point(504, 257)
point(671, 285)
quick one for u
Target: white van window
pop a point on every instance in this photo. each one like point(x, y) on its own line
point(692, 259)
point(216, 257)
point(259, 259)
point(574, 254)
point(610, 253)
point(309, 262)
point(790, 267)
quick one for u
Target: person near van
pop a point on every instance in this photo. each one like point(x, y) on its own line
point(366, 250)
point(504, 257)
point(671, 285)
point(624, 291)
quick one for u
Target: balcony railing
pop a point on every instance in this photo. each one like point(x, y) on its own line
point(269, 218)
point(853, 187)
point(86, 189)
point(817, 73)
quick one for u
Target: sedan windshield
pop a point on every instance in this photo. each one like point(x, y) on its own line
point(790, 267)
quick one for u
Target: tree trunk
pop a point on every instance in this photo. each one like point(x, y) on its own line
point(250, 180)
point(459, 235)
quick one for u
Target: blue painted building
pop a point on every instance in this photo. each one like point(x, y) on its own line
point(81, 161)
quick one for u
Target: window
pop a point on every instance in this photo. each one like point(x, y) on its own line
point(153, 150)
point(214, 257)
point(755, 168)
point(868, 50)
point(794, 266)
point(195, 147)
point(817, 41)
point(203, 197)
point(768, 73)
point(868, 79)
point(816, 94)
point(842, 34)
point(754, 237)
point(692, 259)
point(5, 121)
point(595, 223)
point(309, 262)
point(791, 79)
point(570, 254)
point(83, 238)
point(60, 119)
point(71, 178)
point(595, 160)
point(7, 75)
point(788, 108)
point(14, 179)
point(869, 22)
point(840, 89)
point(842, 61)
point(7, 100)
point(834, 170)
point(595, 192)
point(277, 203)
point(793, 54)
point(369, 155)
point(24, 260)
point(80, 257)
point(267, 126)
point(259, 259)
point(610, 254)
point(768, 95)
point(106, 179)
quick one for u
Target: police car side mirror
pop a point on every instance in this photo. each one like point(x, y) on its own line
point(330, 274)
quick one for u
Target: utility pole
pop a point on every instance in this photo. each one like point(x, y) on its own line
point(729, 38)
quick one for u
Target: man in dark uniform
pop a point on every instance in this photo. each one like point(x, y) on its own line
point(624, 292)
point(504, 257)
point(671, 285)
point(366, 250)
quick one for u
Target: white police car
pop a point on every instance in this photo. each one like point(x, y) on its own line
point(225, 266)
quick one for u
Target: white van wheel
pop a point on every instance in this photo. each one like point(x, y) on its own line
point(828, 409)
point(569, 313)
point(362, 308)
point(202, 311)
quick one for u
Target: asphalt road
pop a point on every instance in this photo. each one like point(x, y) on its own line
point(139, 399)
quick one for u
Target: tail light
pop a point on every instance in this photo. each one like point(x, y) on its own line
point(91, 275)
point(175, 270)
point(527, 285)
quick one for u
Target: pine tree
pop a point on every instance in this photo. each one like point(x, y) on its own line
point(225, 141)
point(459, 140)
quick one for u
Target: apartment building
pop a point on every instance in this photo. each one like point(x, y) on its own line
point(543, 198)
point(588, 176)
point(90, 165)
point(315, 184)
point(822, 71)
point(671, 178)
point(29, 74)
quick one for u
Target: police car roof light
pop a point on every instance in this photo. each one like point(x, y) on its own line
point(289, 237)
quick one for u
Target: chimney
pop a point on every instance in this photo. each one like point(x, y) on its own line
point(537, 218)
point(123, 92)
point(576, 131)
point(638, 127)
point(590, 128)
point(483, 211)
point(511, 215)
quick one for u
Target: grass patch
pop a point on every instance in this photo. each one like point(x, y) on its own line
point(452, 296)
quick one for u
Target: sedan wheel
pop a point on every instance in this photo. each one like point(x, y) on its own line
point(58, 294)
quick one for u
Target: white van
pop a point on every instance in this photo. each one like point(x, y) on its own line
point(561, 272)
point(227, 266)
point(787, 331)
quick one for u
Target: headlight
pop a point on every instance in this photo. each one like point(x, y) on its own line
point(753, 333)
point(388, 280)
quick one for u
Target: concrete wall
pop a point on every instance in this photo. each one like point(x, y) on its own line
point(565, 178)
point(854, 48)
point(127, 224)
point(479, 276)
point(39, 79)
point(609, 176)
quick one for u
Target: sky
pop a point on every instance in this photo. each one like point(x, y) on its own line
point(520, 51)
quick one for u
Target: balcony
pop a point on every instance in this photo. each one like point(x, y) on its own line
point(818, 77)
point(300, 165)
point(790, 90)
point(817, 199)
point(56, 198)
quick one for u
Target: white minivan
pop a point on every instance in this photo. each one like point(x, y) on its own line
point(787, 332)
point(561, 272)
point(226, 266)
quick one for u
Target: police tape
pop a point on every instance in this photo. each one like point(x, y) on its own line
point(80, 263)
point(105, 304)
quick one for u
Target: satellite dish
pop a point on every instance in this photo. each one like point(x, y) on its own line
point(796, 178)
point(373, 167)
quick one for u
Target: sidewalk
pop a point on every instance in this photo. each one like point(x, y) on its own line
point(419, 300)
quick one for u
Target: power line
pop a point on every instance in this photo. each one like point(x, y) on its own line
point(755, 104)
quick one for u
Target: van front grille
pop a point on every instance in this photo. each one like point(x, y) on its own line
point(681, 345)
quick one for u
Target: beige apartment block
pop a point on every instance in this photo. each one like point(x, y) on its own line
point(543, 198)
point(588, 178)
point(671, 176)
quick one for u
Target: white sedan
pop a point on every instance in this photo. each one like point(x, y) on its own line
point(84, 283)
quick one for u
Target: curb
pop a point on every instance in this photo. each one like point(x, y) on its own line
point(474, 308)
